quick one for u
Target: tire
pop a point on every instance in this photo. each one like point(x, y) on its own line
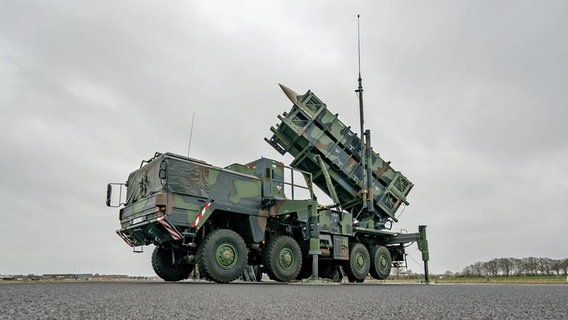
point(282, 259)
point(359, 263)
point(381, 262)
point(331, 272)
point(165, 269)
point(222, 256)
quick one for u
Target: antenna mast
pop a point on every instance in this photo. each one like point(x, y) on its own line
point(359, 92)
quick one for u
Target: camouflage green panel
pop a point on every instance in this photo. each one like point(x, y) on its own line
point(240, 168)
point(306, 212)
point(336, 222)
point(144, 181)
point(188, 185)
point(272, 175)
point(258, 225)
point(316, 109)
point(139, 220)
point(310, 129)
point(184, 176)
point(142, 210)
point(147, 233)
point(304, 208)
point(195, 182)
point(184, 209)
point(238, 192)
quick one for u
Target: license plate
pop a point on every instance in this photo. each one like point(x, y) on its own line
point(138, 220)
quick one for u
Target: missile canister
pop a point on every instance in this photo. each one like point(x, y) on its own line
point(315, 137)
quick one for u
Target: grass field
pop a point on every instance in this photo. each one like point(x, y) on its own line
point(519, 279)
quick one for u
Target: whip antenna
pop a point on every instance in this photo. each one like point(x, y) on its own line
point(359, 46)
point(190, 134)
point(360, 80)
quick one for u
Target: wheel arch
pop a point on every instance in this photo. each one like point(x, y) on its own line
point(251, 227)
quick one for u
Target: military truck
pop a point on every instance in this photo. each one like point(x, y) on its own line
point(264, 216)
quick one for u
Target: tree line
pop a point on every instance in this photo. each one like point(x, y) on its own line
point(508, 267)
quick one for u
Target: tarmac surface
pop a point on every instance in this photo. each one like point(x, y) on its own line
point(269, 300)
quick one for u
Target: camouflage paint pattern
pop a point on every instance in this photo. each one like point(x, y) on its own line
point(172, 196)
point(336, 222)
point(310, 131)
point(192, 191)
point(272, 174)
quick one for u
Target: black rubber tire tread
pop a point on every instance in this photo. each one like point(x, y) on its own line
point(207, 262)
point(377, 270)
point(271, 262)
point(353, 273)
point(161, 263)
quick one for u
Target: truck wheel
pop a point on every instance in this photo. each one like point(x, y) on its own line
point(359, 263)
point(165, 268)
point(282, 259)
point(380, 262)
point(222, 256)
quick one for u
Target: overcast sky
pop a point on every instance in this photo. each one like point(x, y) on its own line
point(468, 99)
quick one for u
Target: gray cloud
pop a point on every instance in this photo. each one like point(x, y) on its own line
point(467, 99)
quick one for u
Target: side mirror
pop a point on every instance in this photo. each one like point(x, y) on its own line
point(109, 194)
point(114, 196)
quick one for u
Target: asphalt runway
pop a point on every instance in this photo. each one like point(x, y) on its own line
point(269, 300)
